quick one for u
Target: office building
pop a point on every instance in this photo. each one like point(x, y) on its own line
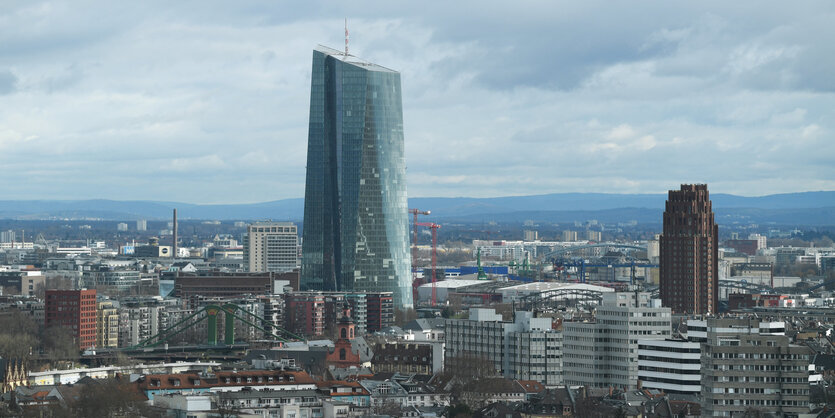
point(604, 352)
point(689, 276)
point(228, 285)
point(121, 227)
point(141, 225)
point(271, 246)
point(74, 310)
point(670, 365)
point(355, 214)
point(21, 281)
point(750, 365)
point(527, 348)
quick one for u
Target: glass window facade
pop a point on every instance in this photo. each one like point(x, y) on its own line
point(355, 214)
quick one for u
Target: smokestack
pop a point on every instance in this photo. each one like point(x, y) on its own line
point(174, 246)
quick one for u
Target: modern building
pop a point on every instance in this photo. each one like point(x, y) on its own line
point(762, 241)
point(24, 280)
point(689, 281)
point(141, 225)
point(604, 352)
point(74, 310)
point(271, 246)
point(379, 311)
point(228, 285)
point(305, 313)
point(527, 348)
point(355, 215)
point(748, 365)
point(670, 365)
point(121, 227)
point(138, 321)
point(107, 325)
point(152, 249)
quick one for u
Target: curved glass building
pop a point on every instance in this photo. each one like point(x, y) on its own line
point(355, 210)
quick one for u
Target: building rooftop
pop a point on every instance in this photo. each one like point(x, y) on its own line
point(350, 59)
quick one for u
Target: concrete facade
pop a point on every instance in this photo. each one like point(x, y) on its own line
point(604, 352)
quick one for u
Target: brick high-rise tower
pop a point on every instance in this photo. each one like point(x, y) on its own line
point(690, 252)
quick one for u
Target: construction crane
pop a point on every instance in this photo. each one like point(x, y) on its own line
point(434, 227)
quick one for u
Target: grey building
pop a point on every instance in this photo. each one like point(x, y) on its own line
point(749, 365)
point(355, 211)
point(604, 352)
point(527, 348)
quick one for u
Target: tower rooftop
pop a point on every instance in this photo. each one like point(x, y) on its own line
point(350, 59)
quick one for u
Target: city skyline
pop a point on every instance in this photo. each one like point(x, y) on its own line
point(523, 100)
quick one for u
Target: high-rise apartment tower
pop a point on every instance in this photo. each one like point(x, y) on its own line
point(689, 276)
point(355, 213)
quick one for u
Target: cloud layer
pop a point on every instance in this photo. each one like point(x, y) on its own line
point(207, 101)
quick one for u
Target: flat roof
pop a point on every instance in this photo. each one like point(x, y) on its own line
point(454, 283)
point(353, 60)
point(547, 286)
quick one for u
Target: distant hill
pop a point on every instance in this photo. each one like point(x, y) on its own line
point(809, 208)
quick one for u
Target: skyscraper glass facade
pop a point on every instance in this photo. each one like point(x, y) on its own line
point(355, 233)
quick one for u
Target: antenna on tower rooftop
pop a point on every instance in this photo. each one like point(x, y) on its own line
point(346, 36)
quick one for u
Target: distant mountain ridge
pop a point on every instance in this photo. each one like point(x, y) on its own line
point(558, 207)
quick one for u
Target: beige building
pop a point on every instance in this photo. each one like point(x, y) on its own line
point(271, 246)
point(107, 325)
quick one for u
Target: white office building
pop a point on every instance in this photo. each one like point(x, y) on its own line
point(604, 352)
point(670, 365)
point(271, 246)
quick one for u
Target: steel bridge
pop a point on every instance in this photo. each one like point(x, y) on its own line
point(209, 313)
point(734, 284)
point(566, 250)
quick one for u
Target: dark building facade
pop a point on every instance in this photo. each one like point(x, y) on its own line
point(690, 252)
point(355, 213)
point(745, 246)
point(74, 310)
point(228, 285)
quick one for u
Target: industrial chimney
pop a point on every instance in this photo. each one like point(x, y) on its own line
point(174, 245)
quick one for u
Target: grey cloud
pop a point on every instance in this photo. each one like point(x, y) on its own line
point(524, 98)
point(8, 82)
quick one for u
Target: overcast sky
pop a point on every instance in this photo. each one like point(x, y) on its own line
point(207, 101)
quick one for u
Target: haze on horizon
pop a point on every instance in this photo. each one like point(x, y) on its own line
point(207, 102)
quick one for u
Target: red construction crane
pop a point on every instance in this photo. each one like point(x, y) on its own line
point(434, 227)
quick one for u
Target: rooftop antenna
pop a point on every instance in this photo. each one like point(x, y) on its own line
point(346, 36)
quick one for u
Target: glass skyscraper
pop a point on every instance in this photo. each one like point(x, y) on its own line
point(355, 210)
